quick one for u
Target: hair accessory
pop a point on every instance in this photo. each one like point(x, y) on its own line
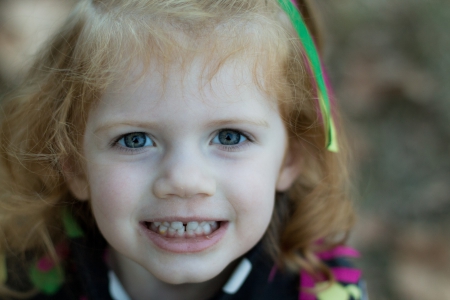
point(315, 65)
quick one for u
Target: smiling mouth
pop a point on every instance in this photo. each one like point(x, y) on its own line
point(183, 230)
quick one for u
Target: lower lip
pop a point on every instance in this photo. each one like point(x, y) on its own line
point(186, 245)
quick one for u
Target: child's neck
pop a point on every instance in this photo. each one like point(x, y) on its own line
point(142, 285)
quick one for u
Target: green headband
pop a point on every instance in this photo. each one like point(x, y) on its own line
point(317, 70)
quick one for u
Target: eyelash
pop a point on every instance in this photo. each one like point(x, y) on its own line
point(115, 144)
point(237, 147)
point(228, 148)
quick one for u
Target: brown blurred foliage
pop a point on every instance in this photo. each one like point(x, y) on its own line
point(24, 26)
point(390, 62)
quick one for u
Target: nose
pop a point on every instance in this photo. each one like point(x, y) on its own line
point(184, 175)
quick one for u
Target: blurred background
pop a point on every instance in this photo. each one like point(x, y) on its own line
point(24, 26)
point(389, 61)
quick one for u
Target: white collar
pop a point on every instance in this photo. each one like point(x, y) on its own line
point(233, 284)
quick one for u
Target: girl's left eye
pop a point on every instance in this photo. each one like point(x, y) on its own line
point(228, 137)
point(135, 140)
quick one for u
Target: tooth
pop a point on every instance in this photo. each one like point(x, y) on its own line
point(199, 230)
point(207, 229)
point(180, 232)
point(172, 232)
point(176, 225)
point(214, 225)
point(191, 225)
point(162, 229)
point(177, 228)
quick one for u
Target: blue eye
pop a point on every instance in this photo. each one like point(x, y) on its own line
point(229, 137)
point(135, 140)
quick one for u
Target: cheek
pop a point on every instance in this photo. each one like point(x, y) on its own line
point(253, 203)
point(115, 190)
point(256, 176)
point(251, 192)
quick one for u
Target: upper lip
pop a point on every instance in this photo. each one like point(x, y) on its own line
point(183, 219)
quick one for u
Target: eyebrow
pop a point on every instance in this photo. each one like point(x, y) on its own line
point(215, 123)
point(225, 122)
point(108, 126)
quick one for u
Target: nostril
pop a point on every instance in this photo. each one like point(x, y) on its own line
point(185, 187)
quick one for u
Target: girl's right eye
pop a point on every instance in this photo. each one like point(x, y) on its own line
point(135, 140)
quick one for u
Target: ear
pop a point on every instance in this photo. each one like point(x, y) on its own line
point(76, 181)
point(290, 169)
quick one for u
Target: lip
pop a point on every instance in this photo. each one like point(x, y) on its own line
point(183, 219)
point(185, 245)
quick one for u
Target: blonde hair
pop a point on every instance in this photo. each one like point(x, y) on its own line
point(43, 123)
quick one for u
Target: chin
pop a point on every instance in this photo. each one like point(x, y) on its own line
point(186, 275)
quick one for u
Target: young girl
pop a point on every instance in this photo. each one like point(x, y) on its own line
point(176, 149)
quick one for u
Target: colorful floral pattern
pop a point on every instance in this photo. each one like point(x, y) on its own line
point(346, 286)
point(47, 274)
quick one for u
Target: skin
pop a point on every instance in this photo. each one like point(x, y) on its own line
point(184, 172)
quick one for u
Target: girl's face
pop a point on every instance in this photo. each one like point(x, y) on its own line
point(182, 173)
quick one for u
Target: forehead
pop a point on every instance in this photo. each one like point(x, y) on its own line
point(181, 101)
point(259, 46)
point(201, 81)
